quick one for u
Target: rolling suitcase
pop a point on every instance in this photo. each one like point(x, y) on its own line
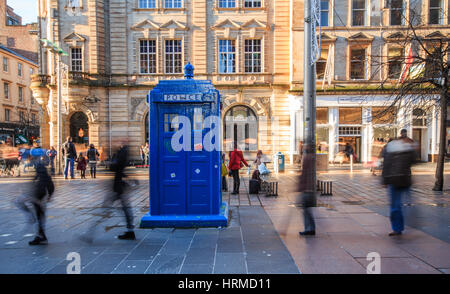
point(253, 186)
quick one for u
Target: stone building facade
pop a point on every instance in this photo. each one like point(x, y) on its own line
point(19, 113)
point(252, 50)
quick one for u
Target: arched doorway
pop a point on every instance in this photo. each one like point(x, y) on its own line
point(241, 126)
point(79, 128)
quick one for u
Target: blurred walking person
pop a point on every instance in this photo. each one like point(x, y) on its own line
point(308, 192)
point(399, 155)
point(70, 155)
point(51, 154)
point(236, 162)
point(81, 165)
point(119, 164)
point(41, 193)
point(93, 155)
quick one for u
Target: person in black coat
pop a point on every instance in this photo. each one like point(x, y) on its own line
point(42, 186)
point(119, 187)
point(70, 155)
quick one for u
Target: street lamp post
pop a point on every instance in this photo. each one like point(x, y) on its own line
point(59, 52)
point(309, 93)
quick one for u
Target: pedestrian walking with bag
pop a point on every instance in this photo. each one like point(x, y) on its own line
point(399, 155)
point(237, 161)
point(93, 156)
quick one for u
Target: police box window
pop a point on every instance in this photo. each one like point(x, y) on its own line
point(171, 122)
point(73, 3)
point(226, 3)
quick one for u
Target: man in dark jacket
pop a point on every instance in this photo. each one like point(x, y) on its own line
point(399, 155)
point(70, 154)
point(308, 189)
point(42, 186)
point(93, 155)
point(119, 187)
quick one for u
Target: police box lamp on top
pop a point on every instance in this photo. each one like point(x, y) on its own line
point(185, 183)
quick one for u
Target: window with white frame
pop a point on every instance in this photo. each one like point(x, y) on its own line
point(436, 15)
point(6, 90)
point(173, 56)
point(73, 3)
point(358, 63)
point(19, 69)
point(321, 63)
point(395, 61)
point(147, 56)
point(252, 56)
point(252, 3)
point(7, 114)
point(20, 88)
point(147, 3)
point(324, 13)
point(226, 3)
point(396, 12)
point(358, 12)
point(172, 3)
point(76, 59)
point(227, 56)
point(5, 64)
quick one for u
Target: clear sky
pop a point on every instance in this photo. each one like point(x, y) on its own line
point(27, 9)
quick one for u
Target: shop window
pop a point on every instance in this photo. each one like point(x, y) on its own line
point(381, 137)
point(321, 115)
point(322, 140)
point(419, 118)
point(383, 115)
point(350, 115)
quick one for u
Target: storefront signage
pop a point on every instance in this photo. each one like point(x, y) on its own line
point(359, 100)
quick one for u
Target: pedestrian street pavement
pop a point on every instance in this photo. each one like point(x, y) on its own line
point(262, 236)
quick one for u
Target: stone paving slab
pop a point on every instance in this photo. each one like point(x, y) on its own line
point(166, 250)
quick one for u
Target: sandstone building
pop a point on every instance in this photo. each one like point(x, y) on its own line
point(252, 50)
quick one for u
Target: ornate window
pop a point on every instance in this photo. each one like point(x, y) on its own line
point(396, 12)
point(6, 90)
point(147, 56)
point(147, 3)
point(20, 93)
point(227, 56)
point(252, 3)
point(226, 3)
point(172, 3)
point(436, 13)
point(76, 59)
point(5, 64)
point(173, 55)
point(358, 64)
point(324, 13)
point(395, 58)
point(358, 12)
point(252, 56)
point(19, 69)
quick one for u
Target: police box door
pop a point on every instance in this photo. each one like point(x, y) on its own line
point(199, 172)
point(184, 176)
point(171, 164)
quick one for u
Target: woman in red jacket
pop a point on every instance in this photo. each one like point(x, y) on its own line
point(236, 162)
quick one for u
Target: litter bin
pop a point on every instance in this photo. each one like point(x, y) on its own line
point(278, 162)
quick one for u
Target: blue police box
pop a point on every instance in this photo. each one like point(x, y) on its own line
point(185, 172)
